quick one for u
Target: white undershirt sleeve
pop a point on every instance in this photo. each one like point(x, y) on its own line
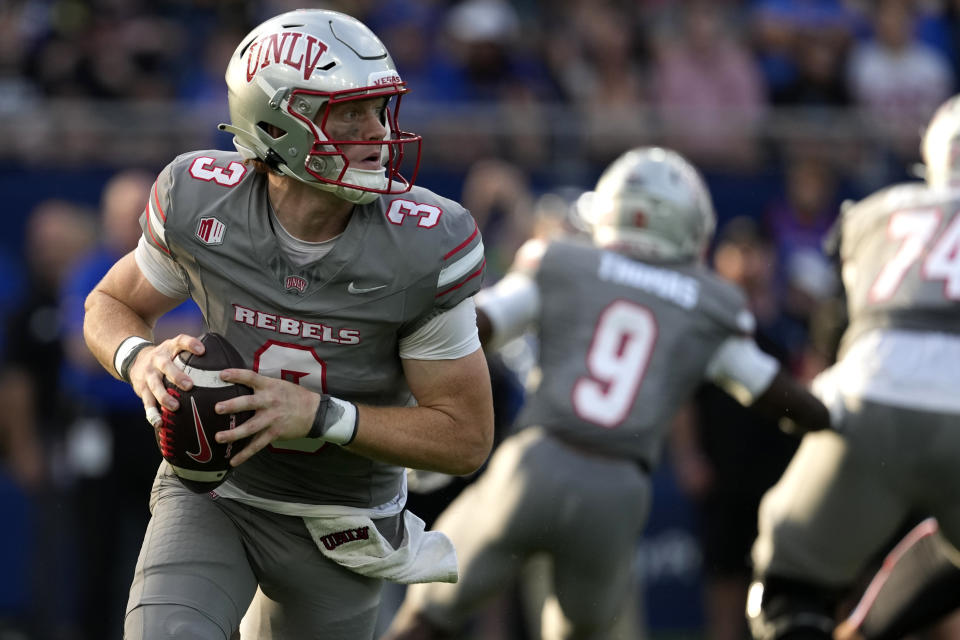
point(742, 369)
point(161, 270)
point(448, 336)
point(511, 305)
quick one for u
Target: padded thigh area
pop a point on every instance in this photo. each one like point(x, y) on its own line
point(166, 622)
point(192, 557)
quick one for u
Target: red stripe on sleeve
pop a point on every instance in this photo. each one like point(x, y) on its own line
point(156, 242)
point(465, 280)
point(156, 198)
point(460, 246)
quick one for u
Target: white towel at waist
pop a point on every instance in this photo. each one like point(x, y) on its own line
point(354, 542)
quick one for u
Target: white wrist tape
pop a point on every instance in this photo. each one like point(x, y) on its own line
point(127, 348)
point(343, 430)
point(335, 421)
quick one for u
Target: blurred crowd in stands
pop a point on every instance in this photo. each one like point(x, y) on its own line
point(566, 82)
point(789, 106)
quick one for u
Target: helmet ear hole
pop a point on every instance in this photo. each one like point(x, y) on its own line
point(271, 130)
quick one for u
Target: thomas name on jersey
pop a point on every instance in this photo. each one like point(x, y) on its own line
point(294, 327)
point(664, 283)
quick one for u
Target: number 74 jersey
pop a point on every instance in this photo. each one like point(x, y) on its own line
point(623, 344)
point(900, 256)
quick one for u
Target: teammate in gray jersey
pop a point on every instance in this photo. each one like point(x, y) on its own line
point(349, 293)
point(629, 325)
point(892, 390)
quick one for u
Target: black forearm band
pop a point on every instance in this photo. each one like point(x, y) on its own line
point(317, 429)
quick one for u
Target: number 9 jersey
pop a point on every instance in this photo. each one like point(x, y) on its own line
point(623, 343)
point(335, 324)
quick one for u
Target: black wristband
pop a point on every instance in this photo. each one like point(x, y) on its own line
point(318, 428)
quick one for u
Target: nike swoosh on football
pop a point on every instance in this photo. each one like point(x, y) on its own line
point(205, 454)
point(351, 288)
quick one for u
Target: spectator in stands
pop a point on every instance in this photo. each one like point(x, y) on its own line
point(707, 88)
point(800, 46)
point(120, 463)
point(35, 412)
point(595, 56)
point(498, 195)
point(897, 79)
point(493, 66)
point(800, 218)
point(16, 91)
point(57, 233)
point(820, 79)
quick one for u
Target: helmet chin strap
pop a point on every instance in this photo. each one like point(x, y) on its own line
point(350, 194)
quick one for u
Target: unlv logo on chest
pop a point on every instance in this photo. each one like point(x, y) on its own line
point(295, 282)
point(294, 49)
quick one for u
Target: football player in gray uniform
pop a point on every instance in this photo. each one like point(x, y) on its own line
point(348, 291)
point(629, 324)
point(893, 393)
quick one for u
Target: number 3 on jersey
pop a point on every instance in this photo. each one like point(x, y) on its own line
point(297, 364)
point(616, 363)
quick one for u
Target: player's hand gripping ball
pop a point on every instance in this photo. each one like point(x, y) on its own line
point(186, 436)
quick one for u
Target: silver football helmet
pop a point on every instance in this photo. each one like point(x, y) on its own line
point(287, 73)
point(654, 203)
point(941, 145)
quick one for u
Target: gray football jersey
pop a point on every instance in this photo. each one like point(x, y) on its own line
point(332, 325)
point(900, 256)
point(623, 344)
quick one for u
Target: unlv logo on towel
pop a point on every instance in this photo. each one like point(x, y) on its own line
point(211, 230)
point(334, 540)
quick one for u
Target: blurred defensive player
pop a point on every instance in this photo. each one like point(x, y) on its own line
point(629, 324)
point(893, 393)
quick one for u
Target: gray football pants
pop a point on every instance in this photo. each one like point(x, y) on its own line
point(538, 495)
point(842, 497)
point(204, 561)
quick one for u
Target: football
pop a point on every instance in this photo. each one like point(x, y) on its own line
point(186, 436)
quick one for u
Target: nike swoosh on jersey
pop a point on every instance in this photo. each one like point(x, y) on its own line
point(351, 288)
point(205, 454)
